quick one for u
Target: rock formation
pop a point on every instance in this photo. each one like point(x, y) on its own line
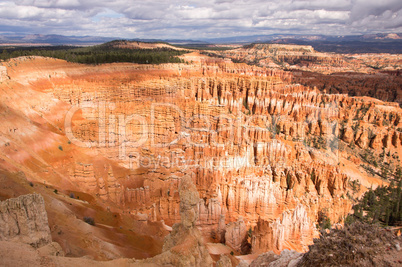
point(304, 57)
point(271, 236)
point(355, 75)
point(287, 258)
point(224, 261)
point(382, 85)
point(184, 245)
point(3, 73)
point(257, 146)
point(236, 234)
point(25, 237)
point(24, 219)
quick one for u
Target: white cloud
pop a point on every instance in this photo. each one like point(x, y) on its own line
point(200, 19)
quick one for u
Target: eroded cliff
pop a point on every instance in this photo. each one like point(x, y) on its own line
point(266, 155)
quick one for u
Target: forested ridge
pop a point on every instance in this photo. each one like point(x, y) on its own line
point(99, 54)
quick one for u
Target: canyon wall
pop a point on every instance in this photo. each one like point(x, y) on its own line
point(303, 57)
point(265, 155)
point(374, 75)
point(383, 85)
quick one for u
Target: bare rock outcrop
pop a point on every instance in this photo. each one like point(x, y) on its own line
point(294, 227)
point(224, 261)
point(236, 233)
point(24, 219)
point(287, 258)
point(184, 245)
point(3, 73)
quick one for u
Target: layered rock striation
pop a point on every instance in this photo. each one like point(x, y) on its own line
point(266, 155)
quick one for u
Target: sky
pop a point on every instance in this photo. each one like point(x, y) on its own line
point(199, 19)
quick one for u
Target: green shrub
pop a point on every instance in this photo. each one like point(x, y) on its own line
point(324, 222)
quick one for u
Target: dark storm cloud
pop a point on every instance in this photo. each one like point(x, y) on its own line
point(200, 19)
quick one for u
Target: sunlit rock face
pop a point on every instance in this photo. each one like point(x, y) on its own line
point(376, 75)
point(184, 246)
point(263, 153)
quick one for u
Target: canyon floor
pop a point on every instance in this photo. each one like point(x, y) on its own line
point(137, 163)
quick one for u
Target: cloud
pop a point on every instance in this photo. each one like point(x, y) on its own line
point(200, 19)
point(362, 9)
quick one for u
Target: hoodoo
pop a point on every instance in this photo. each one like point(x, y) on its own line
point(182, 163)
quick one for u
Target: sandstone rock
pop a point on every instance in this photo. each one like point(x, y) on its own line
point(18, 254)
point(347, 135)
point(221, 228)
point(184, 245)
point(288, 258)
point(52, 249)
point(24, 219)
point(363, 140)
point(189, 198)
point(264, 259)
point(224, 261)
point(376, 143)
point(252, 160)
point(3, 73)
point(294, 226)
point(236, 234)
point(242, 263)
